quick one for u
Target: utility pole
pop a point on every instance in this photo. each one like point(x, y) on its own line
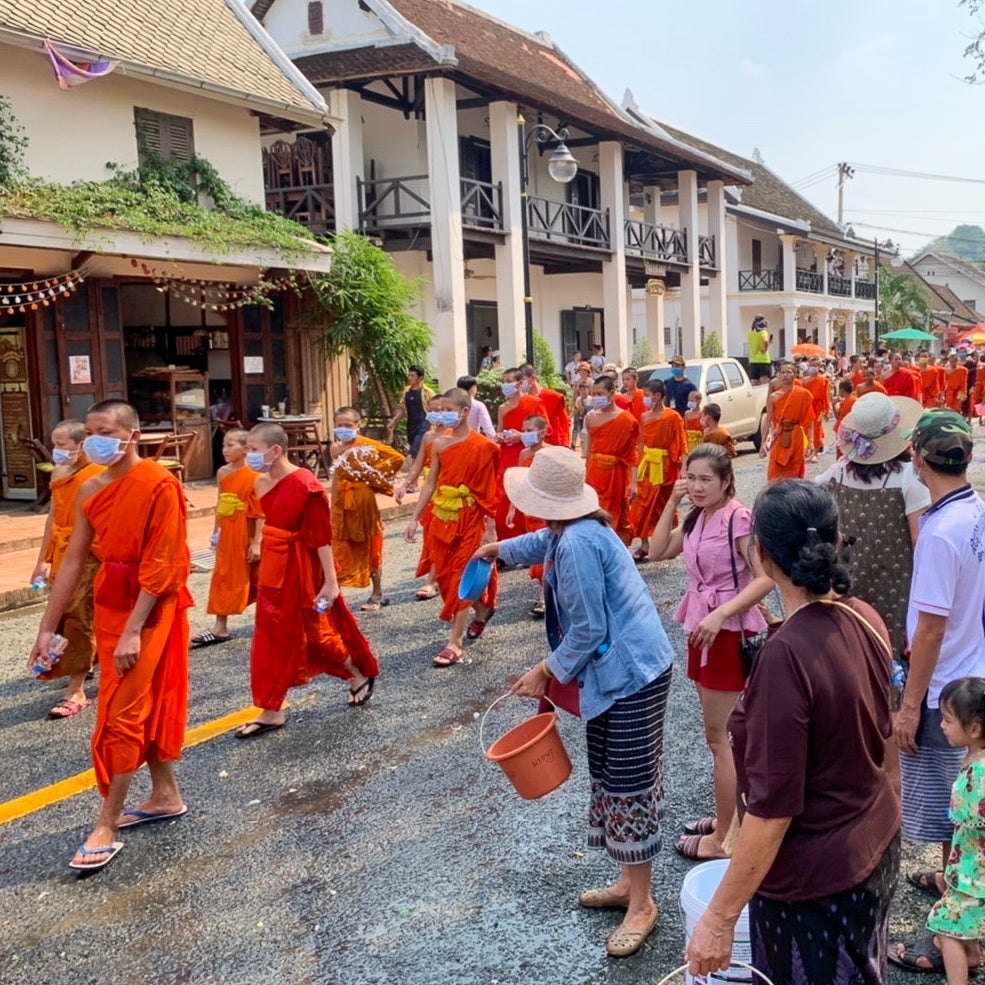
point(845, 172)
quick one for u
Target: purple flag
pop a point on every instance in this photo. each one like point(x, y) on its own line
point(75, 71)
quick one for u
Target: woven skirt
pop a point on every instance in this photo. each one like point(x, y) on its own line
point(625, 762)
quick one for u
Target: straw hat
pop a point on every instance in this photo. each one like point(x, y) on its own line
point(553, 487)
point(876, 429)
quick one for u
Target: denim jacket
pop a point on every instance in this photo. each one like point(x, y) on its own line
point(599, 600)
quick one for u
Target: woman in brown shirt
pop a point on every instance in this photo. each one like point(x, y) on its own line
point(818, 850)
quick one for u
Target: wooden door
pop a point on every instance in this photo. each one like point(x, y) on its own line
point(261, 359)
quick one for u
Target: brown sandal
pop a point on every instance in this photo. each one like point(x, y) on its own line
point(447, 658)
point(602, 899)
point(622, 942)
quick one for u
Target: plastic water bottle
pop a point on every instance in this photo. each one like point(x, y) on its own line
point(56, 647)
point(39, 583)
point(214, 540)
point(321, 603)
point(899, 674)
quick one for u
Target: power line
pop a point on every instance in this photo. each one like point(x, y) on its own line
point(915, 232)
point(923, 175)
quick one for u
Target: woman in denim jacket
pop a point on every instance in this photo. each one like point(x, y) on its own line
point(605, 634)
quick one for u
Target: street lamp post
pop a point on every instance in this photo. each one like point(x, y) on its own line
point(562, 167)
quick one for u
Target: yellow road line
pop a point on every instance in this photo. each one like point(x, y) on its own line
point(63, 789)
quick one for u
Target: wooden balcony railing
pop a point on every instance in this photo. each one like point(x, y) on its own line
point(388, 202)
point(760, 280)
point(706, 251)
point(563, 222)
point(840, 286)
point(311, 205)
point(662, 242)
point(482, 203)
point(865, 289)
point(808, 280)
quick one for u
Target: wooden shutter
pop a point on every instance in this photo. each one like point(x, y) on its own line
point(169, 136)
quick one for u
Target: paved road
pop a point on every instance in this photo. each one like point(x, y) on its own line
point(355, 847)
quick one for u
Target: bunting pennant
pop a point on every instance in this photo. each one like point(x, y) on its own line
point(74, 71)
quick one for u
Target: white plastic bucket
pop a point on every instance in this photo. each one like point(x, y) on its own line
point(696, 893)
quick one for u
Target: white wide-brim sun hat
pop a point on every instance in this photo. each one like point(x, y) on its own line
point(875, 429)
point(553, 487)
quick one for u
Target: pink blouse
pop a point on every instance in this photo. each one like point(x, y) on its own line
point(706, 560)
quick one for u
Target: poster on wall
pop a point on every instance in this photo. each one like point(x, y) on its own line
point(253, 365)
point(79, 369)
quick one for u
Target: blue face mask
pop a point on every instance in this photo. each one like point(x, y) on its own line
point(257, 461)
point(433, 417)
point(345, 434)
point(450, 418)
point(530, 437)
point(62, 457)
point(648, 402)
point(678, 371)
point(600, 403)
point(509, 389)
point(104, 449)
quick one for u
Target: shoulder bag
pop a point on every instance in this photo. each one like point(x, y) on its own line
point(749, 645)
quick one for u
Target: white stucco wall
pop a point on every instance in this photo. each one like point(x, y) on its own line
point(344, 22)
point(72, 135)
point(937, 272)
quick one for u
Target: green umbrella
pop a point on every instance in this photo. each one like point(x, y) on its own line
point(909, 335)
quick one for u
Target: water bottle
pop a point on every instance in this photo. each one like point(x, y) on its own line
point(321, 604)
point(899, 674)
point(56, 647)
point(39, 583)
point(214, 540)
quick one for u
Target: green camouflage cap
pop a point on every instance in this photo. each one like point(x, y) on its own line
point(942, 437)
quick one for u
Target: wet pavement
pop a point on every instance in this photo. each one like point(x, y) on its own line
point(354, 847)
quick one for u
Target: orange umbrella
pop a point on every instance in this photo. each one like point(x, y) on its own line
point(808, 349)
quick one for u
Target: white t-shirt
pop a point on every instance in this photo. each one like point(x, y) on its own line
point(949, 580)
point(916, 496)
point(597, 362)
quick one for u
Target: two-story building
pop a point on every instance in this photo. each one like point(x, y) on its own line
point(110, 311)
point(438, 106)
point(784, 259)
point(953, 277)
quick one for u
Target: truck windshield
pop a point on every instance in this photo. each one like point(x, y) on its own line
point(693, 374)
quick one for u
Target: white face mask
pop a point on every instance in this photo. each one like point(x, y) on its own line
point(62, 457)
point(257, 461)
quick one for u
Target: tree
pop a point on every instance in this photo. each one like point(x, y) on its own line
point(711, 348)
point(642, 353)
point(901, 302)
point(363, 311)
point(975, 50)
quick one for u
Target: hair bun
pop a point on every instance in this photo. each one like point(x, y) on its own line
point(821, 568)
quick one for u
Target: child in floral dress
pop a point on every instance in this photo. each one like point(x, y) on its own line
point(958, 918)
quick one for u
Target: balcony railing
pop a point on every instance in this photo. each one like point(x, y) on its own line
point(482, 203)
point(706, 251)
point(662, 242)
point(311, 205)
point(840, 286)
point(388, 202)
point(808, 280)
point(760, 280)
point(563, 222)
point(865, 289)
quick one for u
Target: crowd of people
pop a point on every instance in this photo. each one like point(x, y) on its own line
point(879, 565)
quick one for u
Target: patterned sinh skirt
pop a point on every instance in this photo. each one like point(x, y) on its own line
point(625, 752)
point(842, 939)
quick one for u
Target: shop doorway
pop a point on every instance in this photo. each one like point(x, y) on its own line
point(482, 318)
point(581, 329)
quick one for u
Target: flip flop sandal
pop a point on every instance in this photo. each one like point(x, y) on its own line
point(601, 899)
point(622, 942)
point(478, 626)
point(68, 708)
point(687, 848)
point(374, 605)
point(258, 729)
point(112, 850)
point(354, 701)
point(148, 817)
point(703, 826)
point(426, 593)
point(537, 610)
point(926, 881)
point(208, 638)
point(447, 658)
point(923, 948)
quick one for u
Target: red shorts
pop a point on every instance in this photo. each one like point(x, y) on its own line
point(723, 669)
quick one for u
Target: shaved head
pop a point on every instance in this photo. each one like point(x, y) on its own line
point(458, 397)
point(71, 430)
point(122, 413)
point(237, 434)
point(269, 435)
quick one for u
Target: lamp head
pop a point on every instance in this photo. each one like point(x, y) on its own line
point(562, 165)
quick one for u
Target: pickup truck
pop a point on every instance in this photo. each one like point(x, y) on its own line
point(724, 382)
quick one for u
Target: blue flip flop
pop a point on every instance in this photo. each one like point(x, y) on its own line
point(113, 851)
point(149, 817)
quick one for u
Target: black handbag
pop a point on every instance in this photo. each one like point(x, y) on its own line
point(749, 646)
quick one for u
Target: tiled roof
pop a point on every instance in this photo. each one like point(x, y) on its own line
point(939, 297)
point(203, 41)
point(962, 310)
point(972, 270)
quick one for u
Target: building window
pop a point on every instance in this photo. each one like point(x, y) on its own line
point(970, 302)
point(167, 136)
point(316, 18)
point(757, 256)
point(666, 335)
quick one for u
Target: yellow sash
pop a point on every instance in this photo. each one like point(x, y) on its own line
point(449, 501)
point(606, 463)
point(652, 466)
point(229, 504)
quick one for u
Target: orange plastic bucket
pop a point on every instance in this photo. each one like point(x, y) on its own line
point(531, 755)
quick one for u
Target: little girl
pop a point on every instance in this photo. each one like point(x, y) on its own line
point(958, 917)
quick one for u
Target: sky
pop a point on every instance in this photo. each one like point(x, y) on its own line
point(808, 84)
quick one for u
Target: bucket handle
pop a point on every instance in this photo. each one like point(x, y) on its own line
point(738, 964)
point(482, 724)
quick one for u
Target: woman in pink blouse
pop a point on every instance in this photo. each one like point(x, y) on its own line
point(726, 585)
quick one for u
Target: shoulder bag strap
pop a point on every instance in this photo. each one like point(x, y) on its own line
point(865, 622)
point(731, 552)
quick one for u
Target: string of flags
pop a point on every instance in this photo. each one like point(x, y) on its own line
point(214, 295)
point(30, 295)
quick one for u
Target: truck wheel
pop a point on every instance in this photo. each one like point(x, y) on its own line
point(757, 438)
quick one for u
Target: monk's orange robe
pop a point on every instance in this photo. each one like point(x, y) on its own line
point(979, 389)
point(424, 564)
point(664, 447)
point(820, 392)
point(614, 450)
point(509, 456)
point(233, 584)
point(956, 388)
point(844, 408)
point(531, 524)
point(465, 495)
point(720, 436)
point(76, 623)
point(917, 382)
point(292, 641)
point(633, 404)
point(793, 413)
point(140, 540)
point(857, 378)
point(876, 387)
point(692, 429)
point(559, 424)
point(931, 386)
point(361, 471)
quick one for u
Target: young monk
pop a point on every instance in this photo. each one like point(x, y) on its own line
point(956, 385)
point(235, 540)
point(462, 487)
point(693, 427)
point(663, 444)
point(511, 415)
point(422, 466)
point(632, 398)
point(869, 383)
point(361, 468)
point(789, 414)
point(72, 469)
point(292, 640)
point(555, 403)
point(611, 450)
point(715, 434)
point(817, 384)
point(845, 402)
point(533, 435)
point(133, 516)
point(929, 381)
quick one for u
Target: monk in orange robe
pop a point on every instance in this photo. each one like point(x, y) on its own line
point(133, 517)
point(694, 427)
point(71, 470)
point(511, 415)
point(361, 468)
point(816, 383)
point(303, 626)
point(869, 383)
point(535, 431)
point(846, 401)
point(663, 445)
point(956, 386)
point(462, 489)
point(715, 434)
point(235, 540)
point(555, 404)
point(789, 415)
point(929, 382)
point(632, 398)
point(612, 453)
